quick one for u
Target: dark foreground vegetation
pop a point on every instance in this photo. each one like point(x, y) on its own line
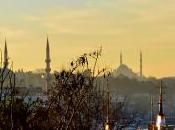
point(74, 101)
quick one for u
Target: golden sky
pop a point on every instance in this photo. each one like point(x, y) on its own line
point(78, 26)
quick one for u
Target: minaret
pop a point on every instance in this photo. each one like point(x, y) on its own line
point(6, 55)
point(160, 117)
point(121, 58)
point(141, 64)
point(161, 101)
point(48, 69)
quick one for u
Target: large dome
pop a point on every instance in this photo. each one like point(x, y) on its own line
point(124, 70)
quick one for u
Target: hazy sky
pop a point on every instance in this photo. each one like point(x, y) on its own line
point(77, 26)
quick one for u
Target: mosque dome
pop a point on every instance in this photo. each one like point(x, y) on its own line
point(124, 70)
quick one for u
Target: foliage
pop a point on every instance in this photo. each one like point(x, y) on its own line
point(75, 101)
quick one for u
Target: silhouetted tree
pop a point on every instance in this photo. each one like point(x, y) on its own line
point(75, 101)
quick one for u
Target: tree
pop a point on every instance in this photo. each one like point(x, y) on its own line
point(14, 111)
point(71, 103)
point(75, 101)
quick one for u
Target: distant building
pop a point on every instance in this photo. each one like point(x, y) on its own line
point(31, 83)
point(124, 70)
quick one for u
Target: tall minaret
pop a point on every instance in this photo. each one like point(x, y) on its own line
point(141, 73)
point(161, 100)
point(6, 55)
point(48, 69)
point(160, 117)
point(121, 58)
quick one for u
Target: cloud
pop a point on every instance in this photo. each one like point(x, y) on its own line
point(31, 18)
point(12, 32)
point(78, 21)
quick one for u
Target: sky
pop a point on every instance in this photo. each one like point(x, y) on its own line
point(78, 26)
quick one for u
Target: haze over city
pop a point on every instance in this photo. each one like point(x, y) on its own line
point(78, 26)
point(87, 64)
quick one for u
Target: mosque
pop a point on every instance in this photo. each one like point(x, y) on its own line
point(43, 79)
point(30, 82)
point(124, 70)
